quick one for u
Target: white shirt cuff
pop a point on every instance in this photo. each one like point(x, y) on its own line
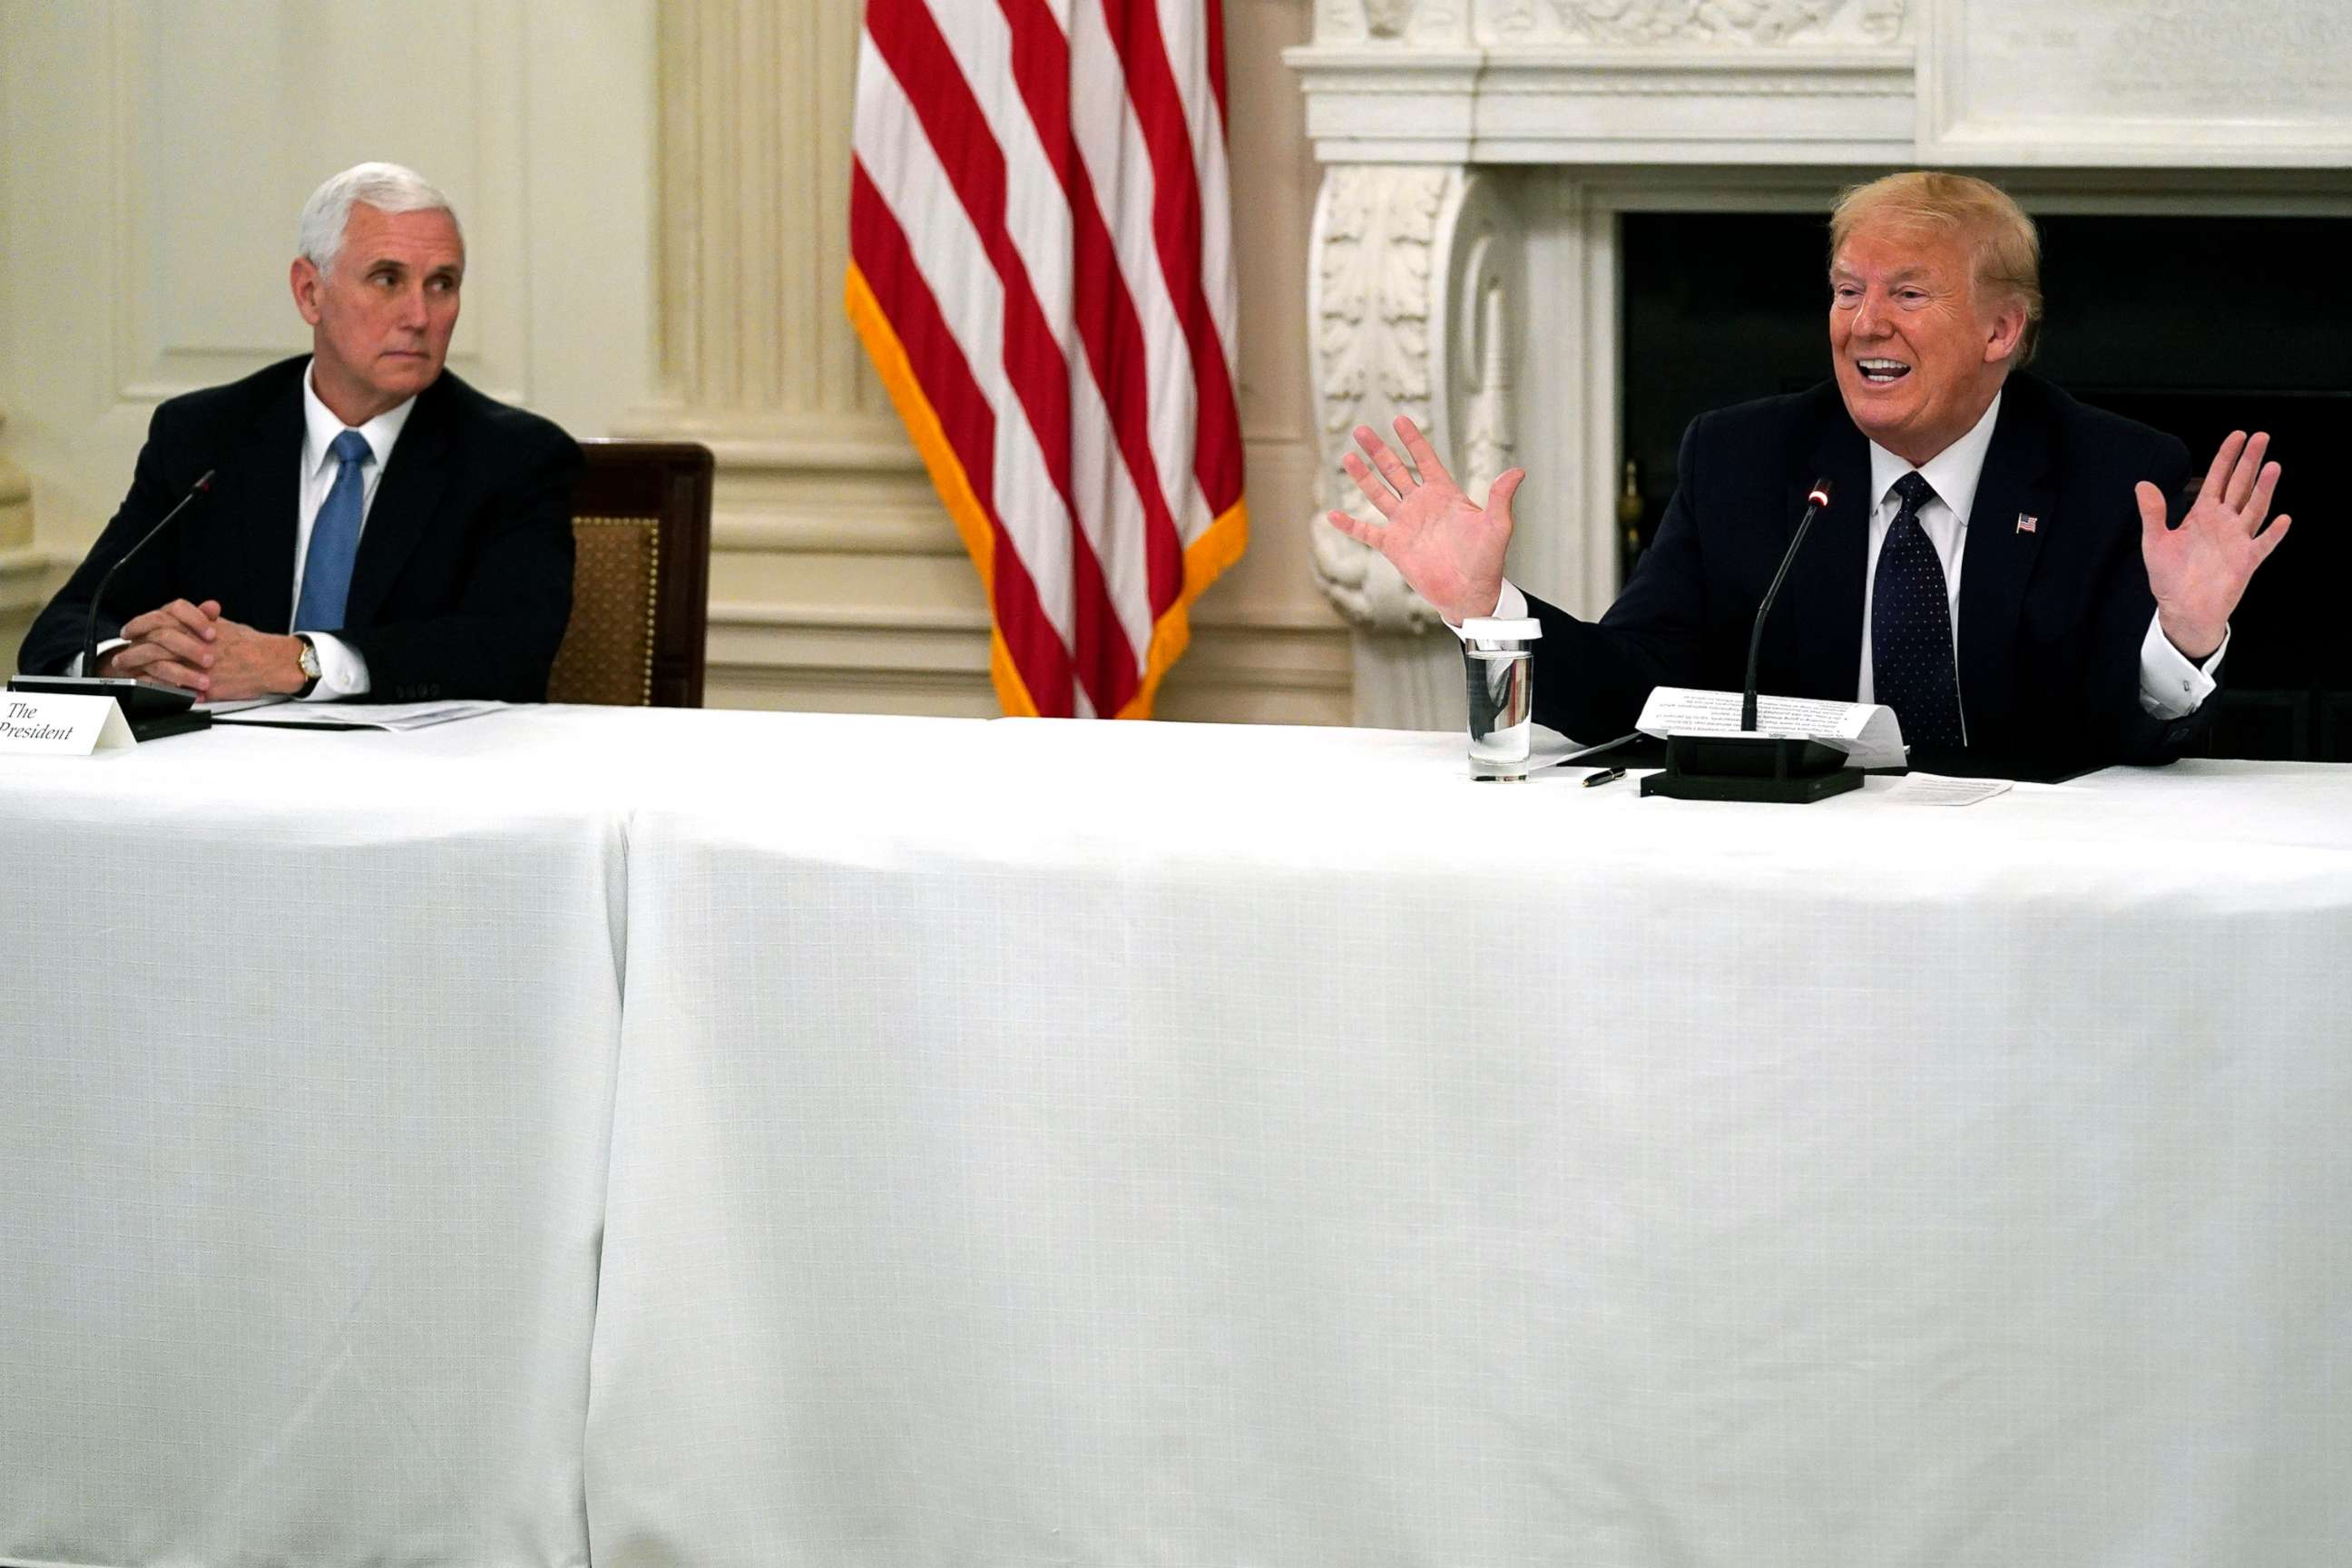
point(342, 672)
point(2170, 685)
point(1510, 604)
point(106, 647)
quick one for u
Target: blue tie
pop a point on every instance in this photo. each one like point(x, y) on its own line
point(334, 542)
point(1911, 628)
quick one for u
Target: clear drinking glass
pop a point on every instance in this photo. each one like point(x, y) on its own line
point(1499, 681)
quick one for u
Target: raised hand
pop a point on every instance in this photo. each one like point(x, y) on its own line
point(1447, 550)
point(2200, 570)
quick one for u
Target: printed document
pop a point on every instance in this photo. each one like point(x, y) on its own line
point(1867, 732)
point(359, 715)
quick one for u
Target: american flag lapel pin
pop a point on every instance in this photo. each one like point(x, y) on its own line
point(2026, 522)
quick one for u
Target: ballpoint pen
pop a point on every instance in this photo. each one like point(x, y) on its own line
point(1603, 776)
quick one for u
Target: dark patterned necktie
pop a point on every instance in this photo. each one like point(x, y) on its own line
point(1911, 628)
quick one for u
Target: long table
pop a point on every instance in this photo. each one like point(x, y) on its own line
point(308, 1050)
point(1036, 1142)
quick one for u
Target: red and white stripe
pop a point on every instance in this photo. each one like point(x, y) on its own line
point(1039, 265)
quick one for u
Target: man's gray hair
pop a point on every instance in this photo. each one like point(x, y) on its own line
point(387, 187)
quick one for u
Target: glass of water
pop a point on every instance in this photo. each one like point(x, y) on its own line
point(1498, 675)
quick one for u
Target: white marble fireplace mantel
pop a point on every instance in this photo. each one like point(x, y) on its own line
point(1477, 154)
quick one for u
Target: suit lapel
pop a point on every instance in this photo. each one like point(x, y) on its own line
point(1825, 581)
point(405, 499)
point(270, 494)
point(1997, 560)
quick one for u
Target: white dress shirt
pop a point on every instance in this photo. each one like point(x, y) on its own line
point(342, 672)
point(2171, 685)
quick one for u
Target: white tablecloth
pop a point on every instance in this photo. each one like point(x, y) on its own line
point(306, 1067)
point(1047, 1144)
point(1037, 1142)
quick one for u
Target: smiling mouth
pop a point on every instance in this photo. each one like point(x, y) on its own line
point(1882, 372)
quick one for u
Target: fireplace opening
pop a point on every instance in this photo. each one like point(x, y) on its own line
point(2195, 324)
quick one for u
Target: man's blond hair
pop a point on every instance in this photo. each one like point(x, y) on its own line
point(2007, 248)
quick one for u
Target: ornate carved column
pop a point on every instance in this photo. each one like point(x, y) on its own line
point(1410, 298)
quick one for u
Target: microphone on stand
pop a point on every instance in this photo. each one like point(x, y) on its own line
point(143, 702)
point(204, 483)
point(1749, 767)
point(1815, 499)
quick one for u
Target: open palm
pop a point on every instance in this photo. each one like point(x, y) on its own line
point(2200, 570)
point(1447, 550)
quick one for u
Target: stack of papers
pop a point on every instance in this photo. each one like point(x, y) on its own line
point(279, 714)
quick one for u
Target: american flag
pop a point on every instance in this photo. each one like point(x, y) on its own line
point(1041, 269)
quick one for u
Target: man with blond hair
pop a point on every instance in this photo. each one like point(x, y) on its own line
point(374, 528)
point(1999, 564)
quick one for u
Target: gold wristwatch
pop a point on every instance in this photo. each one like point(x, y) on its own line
point(309, 656)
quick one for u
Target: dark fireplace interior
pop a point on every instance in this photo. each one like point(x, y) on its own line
point(2195, 325)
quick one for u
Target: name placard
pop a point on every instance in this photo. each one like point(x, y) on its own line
point(54, 726)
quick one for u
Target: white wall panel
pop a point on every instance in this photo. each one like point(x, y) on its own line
point(154, 156)
point(228, 114)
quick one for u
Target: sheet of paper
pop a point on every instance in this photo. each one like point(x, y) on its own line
point(1934, 789)
point(362, 715)
point(246, 705)
point(1867, 733)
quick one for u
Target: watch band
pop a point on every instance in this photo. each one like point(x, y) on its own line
point(309, 659)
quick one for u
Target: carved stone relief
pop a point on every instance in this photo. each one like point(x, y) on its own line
point(1389, 21)
point(1410, 305)
point(1638, 23)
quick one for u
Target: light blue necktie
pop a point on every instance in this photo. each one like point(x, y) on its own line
point(334, 542)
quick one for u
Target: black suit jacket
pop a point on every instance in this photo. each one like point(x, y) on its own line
point(463, 583)
point(2050, 620)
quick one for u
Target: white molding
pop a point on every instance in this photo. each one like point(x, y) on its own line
point(1366, 104)
point(1714, 89)
point(767, 447)
point(2269, 47)
point(493, 348)
point(924, 658)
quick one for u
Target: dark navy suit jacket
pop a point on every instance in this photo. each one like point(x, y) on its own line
point(2050, 617)
point(463, 583)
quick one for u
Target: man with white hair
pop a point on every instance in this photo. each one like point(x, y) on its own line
point(375, 528)
point(1999, 563)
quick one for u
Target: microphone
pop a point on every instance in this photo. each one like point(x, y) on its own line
point(151, 708)
point(1713, 764)
point(90, 629)
point(1815, 499)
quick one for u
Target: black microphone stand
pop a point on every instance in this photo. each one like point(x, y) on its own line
point(1749, 767)
point(151, 708)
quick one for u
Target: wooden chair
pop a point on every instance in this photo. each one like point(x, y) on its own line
point(641, 591)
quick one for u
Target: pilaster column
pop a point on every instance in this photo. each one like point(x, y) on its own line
point(829, 551)
point(1412, 286)
point(16, 506)
point(23, 569)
